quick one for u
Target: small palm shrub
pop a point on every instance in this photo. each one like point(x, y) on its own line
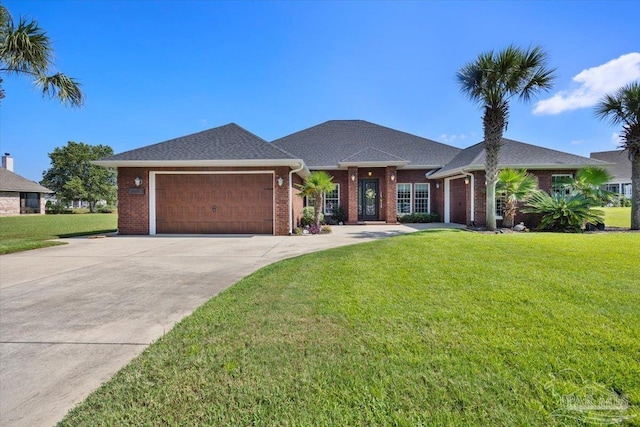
point(308, 216)
point(562, 212)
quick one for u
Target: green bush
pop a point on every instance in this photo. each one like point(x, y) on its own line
point(105, 209)
point(339, 215)
point(307, 216)
point(52, 207)
point(418, 218)
point(562, 212)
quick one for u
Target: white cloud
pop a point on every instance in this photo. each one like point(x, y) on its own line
point(450, 139)
point(616, 139)
point(592, 84)
point(576, 142)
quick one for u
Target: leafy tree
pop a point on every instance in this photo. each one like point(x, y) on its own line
point(73, 177)
point(516, 185)
point(623, 108)
point(25, 49)
point(492, 80)
point(315, 186)
point(562, 212)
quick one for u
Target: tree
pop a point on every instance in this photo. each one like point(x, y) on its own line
point(25, 49)
point(563, 212)
point(623, 108)
point(516, 185)
point(73, 177)
point(492, 80)
point(590, 181)
point(314, 187)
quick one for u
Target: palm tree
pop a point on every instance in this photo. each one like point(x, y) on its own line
point(515, 185)
point(623, 107)
point(26, 49)
point(314, 187)
point(491, 81)
point(590, 181)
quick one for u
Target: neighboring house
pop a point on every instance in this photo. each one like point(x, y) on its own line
point(18, 195)
point(228, 180)
point(619, 168)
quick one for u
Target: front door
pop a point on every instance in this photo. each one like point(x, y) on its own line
point(368, 200)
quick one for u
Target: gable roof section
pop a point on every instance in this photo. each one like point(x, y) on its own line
point(225, 145)
point(515, 154)
point(327, 145)
point(372, 157)
point(10, 181)
point(620, 166)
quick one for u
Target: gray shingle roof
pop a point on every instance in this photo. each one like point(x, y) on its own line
point(518, 155)
point(10, 181)
point(329, 143)
point(228, 142)
point(621, 167)
point(371, 154)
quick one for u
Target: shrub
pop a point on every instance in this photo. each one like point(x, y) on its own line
point(325, 229)
point(418, 218)
point(562, 212)
point(105, 209)
point(56, 208)
point(307, 216)
point(339, 215)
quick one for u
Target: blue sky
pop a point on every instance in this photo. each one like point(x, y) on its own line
point(155, 70)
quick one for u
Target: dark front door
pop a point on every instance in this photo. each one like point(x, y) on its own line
point(368, 200)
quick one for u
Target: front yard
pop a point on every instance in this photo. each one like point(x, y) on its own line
point(435, 328)
point(21, 233)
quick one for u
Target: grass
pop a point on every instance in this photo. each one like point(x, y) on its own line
point(617, 217)
point(434, 328)
point(21, 233)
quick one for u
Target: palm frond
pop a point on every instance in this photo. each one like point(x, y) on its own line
point(60, 86)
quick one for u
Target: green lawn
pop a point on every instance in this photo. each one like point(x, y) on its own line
point(21, 233)
point(617, 217)
point(434, 328)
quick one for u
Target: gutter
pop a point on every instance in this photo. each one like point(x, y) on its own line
point(291, 172)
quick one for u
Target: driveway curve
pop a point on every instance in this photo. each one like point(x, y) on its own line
point(71, 316)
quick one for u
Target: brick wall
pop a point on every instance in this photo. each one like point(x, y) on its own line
point(281, 197)
point(10, 203)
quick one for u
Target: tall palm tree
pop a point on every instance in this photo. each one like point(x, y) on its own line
point(26, 49)
point(516, 185)
point(492, 80)
point(314, 187)
point(623, 107)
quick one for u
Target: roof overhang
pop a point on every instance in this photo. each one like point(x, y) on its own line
point(292, 163)
point(472, 168)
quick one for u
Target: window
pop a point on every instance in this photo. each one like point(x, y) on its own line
point(500, 202)
point(559, 183)
point(332, 200)
point(626, 190)
point(403, 199)
point(421, 198)
point(29, 203)
point(614, 188)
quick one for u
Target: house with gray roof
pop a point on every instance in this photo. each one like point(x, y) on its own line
point(620, 169)
point(18, 195)
point(229, 180)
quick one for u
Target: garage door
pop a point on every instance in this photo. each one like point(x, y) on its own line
point(214, 203)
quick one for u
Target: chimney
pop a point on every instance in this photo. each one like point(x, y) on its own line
point(7, 162)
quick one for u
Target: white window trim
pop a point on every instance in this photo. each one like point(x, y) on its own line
point(410, 198)
point(559, 175)
point(428, 184)
point(324, 201)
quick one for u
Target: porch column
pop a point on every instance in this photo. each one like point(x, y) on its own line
point(390, 195)
point(352, 188)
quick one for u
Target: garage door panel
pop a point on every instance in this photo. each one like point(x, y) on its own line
point(214, 203)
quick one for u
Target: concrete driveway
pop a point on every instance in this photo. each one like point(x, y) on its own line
point(72, 316)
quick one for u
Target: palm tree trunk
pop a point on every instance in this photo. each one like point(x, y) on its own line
point(635, 192)
point(317, 205)
point(493, 120)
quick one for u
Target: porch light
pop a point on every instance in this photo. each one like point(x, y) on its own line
point(137, 181)
point(353, 177)
point(280, 181)
point(437, 185)
point(466, 180)
point(393, 177)
point(369, 173)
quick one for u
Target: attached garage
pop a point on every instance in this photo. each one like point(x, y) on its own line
point(213, 203)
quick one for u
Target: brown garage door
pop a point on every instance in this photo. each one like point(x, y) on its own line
point(214, 203)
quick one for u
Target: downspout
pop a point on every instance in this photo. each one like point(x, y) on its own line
point(473, 196)
point(291, 172)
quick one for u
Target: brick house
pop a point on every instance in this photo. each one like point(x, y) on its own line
point(227, 180)
point(18, 195)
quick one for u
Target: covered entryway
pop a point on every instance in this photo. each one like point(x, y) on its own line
point(214, 203)
point(368, 200)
